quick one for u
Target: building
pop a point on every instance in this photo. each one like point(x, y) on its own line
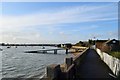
point(108, 45)
point(112, 45)
point(67, 45)
point(100, 43)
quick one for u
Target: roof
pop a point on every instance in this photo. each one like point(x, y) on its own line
point(101, 40)
point(110, 41)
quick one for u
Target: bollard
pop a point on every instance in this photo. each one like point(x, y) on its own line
point(68, 62)
point(53, 72)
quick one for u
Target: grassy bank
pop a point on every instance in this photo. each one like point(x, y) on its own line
point(115, 54)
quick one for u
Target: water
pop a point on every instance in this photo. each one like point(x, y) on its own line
point(17, 64)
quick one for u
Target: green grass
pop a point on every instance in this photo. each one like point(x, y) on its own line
point(115, 54)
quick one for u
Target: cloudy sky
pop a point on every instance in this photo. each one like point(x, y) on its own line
point(57, 22)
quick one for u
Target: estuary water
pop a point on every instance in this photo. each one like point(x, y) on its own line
point(18, 64)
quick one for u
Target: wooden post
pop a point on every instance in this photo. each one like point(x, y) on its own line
point(68, 62)
point(55, 51)
point(66, 51)
point(53, 72)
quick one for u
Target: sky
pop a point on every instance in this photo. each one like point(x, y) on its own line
point(58, 22)
point(60, 0)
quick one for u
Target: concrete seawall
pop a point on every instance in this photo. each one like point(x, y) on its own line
point(112, 62)
point(66, 72)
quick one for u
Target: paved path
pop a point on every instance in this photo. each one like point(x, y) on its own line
point(93, 67)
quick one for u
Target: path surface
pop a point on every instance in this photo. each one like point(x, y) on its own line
point(93, 67)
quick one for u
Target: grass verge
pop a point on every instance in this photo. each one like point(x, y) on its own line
point(115, 54)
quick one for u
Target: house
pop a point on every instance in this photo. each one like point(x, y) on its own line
point(111, 45)
point(99, 43)
point(60, 45)
point(108, 45)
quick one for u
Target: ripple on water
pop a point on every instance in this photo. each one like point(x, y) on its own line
point(36, 75)
point(16, 63)
point(15, 57)
point(8, 67)
point(4, 73)
point(41, 68)
point(11, 69)
point(20, 76)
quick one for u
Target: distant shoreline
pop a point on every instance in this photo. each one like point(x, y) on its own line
point(28, 44)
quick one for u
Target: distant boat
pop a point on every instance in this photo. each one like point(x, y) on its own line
point(1, 49)
point(8, 47)
point(43, 47)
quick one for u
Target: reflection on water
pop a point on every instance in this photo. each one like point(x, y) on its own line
point(17, 64)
